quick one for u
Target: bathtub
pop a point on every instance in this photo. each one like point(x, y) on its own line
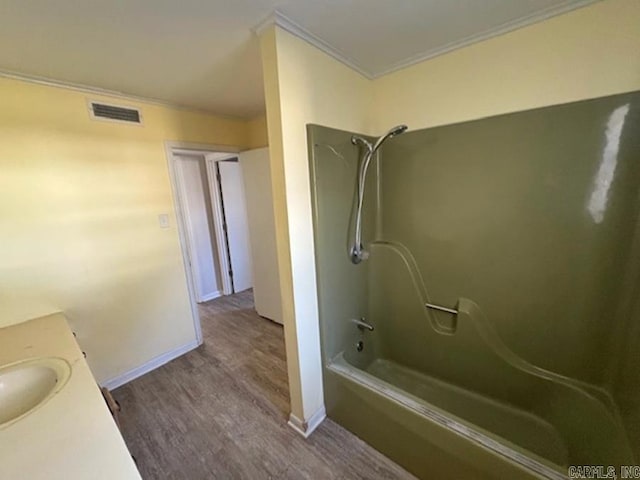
point(528, 368)
point(462, 393)
point(400, 412)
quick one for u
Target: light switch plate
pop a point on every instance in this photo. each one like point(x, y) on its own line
point(163, 220)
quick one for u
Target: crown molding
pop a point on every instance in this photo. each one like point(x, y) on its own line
point(282, 21)
point(506, 27)
point(81, 88)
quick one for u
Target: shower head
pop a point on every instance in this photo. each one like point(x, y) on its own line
point(397, 130)
point(356, 139)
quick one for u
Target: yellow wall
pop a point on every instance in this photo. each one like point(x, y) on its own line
point(586, 53)
point(79, 205)
point(589, 52)
point(302, 85)
point(257, 132)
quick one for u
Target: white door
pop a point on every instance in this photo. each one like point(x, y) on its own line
point(197, 215)
point(256, 173)
point(235, 215)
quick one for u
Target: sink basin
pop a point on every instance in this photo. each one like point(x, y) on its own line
point(28, 384)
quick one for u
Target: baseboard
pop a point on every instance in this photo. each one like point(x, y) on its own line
point(306, 428)
point(211, 296)
point(152, 364)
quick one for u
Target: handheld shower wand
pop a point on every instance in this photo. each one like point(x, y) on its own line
point(357, 252)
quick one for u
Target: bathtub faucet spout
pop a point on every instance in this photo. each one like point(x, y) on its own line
point(362, 324)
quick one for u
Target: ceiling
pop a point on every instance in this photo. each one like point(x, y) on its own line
point(203, 53)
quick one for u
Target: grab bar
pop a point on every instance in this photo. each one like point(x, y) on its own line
point(441, 308)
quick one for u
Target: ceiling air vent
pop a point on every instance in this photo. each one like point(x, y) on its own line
point(115, 113)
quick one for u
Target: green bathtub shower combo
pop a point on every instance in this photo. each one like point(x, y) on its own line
point(491, 329)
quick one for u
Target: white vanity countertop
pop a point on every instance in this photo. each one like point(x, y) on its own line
point(72, 436)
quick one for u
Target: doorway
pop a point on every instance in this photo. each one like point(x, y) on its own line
point(226, 226)
point(212, 221)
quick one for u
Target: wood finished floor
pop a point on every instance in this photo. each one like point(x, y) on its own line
point(220, 411)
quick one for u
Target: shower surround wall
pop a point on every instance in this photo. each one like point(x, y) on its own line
point(525, 223)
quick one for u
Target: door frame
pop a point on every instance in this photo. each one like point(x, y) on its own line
point(209, 152)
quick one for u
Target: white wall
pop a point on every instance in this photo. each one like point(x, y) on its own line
point(586, 53)
point(256, 173)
